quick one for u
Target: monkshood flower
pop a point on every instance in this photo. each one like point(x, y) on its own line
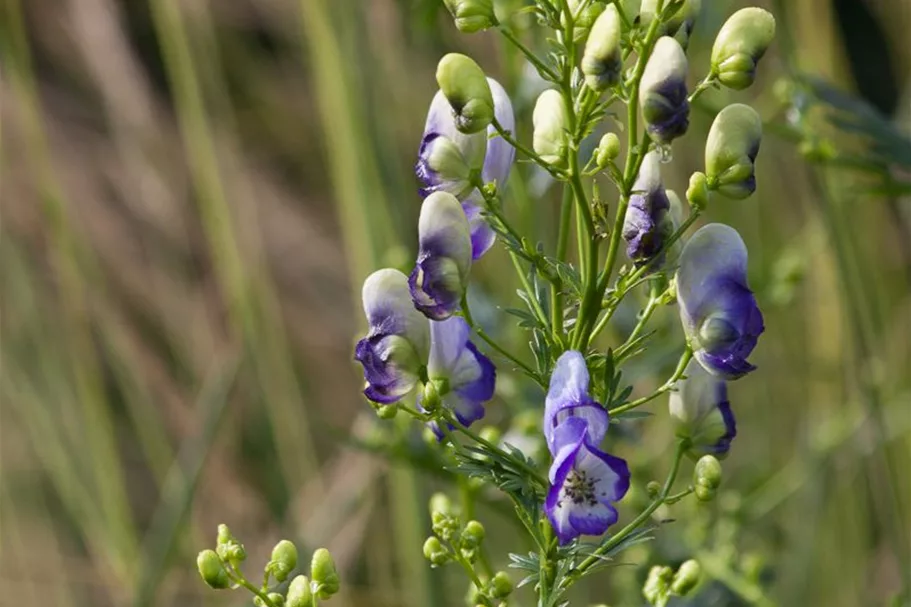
point(644, 227)
point(465, 86)
point(398, 341)
point(731, 149)
point(743, 40)
point(585, 483)
point(701, 412)
point(602, 61)
point(447, 158)
point(550, 138)
point(440, 275)
point(463, 378)
point(717, 308)
point(471, 15)
point(662, 91)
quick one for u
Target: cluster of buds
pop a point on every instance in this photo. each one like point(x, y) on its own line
point(663, 582)
point(220, 569)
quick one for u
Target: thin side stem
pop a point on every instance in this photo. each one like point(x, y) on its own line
point(466, 314)
point(665, 387)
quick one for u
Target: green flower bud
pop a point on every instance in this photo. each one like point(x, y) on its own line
point(657, 585)
point(299, 592)
point(228, 547)
point(284, 560)
point(584, 20)
point(731, 149)
point(473, 534)
point(741, 43)
point(697, 194)
point(708, 472)
point(500, 586)
point(686, 578)
point(435, 552)
point(551, 122)
point(212, 571)
point(224, 535)
point(653, 488)
point(387, 412)
point(322, 571)
point(276, 599)
point(704, 494)
point(465, 87)
point(608, 150)
point(472, 15)
point(602, 61)
point(430, 399)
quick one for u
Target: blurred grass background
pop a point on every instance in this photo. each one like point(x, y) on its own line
point(192, 193)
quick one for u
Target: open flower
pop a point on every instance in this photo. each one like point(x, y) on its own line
point(463, 378)
point(717, 308)
point(662, 91)
point(440, 276)
point(644, 227)
point(398, 340)
point(701, 412)
point(585, 482)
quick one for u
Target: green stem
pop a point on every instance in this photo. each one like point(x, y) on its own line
point(533, 474)
point(556, 290)
point(532, 295)
point(235, 574)
point(665, 387)
point(532, 58)
point(466, 314)
point(594, 558)
point(508, 138)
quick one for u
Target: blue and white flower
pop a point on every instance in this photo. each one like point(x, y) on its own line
point(567, 396)
point(701, 412)
point(440, 275)
point(717, 308)
point(644, 227)
point(662, 91)
point(463, 377)
point(398, 340)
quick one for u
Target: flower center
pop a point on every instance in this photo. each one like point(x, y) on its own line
point(580, 488)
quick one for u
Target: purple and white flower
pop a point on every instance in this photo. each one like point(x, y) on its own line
point(644, 227)
point(662, 92)
point(585, 482)
point(464, 378)
point(447, 159)
point(717, 308)
point(440, 276)
point(398, 340)
point(701, 412)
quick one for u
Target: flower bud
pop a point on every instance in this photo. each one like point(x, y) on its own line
point(284, 560)
point(551, 122)
point(707, 472)
point(741, 43)
point(731, 149)
point(662, 92)
point(602, 61)
point(686, 578)
point(276, 599)
point(705, 494)
point(501, 586)
point(322, 570)
point(701, 412)
point(387, 412)
point(224, 535)
point(465, 86)
point(648, 206)
point(653, 488)
point(608, 149)
point(473, 534)
point(681, 23)
point(228, 548)
point(585, 19)
point(430, 398)
point(697, 194)
point(435, 552)
point(299, 592)
point(472, 15)
point(212, 571)
point(657, 585)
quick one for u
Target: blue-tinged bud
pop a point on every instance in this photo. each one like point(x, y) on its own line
point(322, 570)
point(212, 571)
point(440, 276)
point(602, 61)
point(741, 43)
point(701, 412)
point(551, 124)
point(398, 342)
point(645, 215)
point(717, 308)
point(686, 578)
point(284, 560)
point(608, 149)
point(465, 86)
point(662, 92)
point(731, 149)
point(681, 23)
point(300, 593)
point(472, 15)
